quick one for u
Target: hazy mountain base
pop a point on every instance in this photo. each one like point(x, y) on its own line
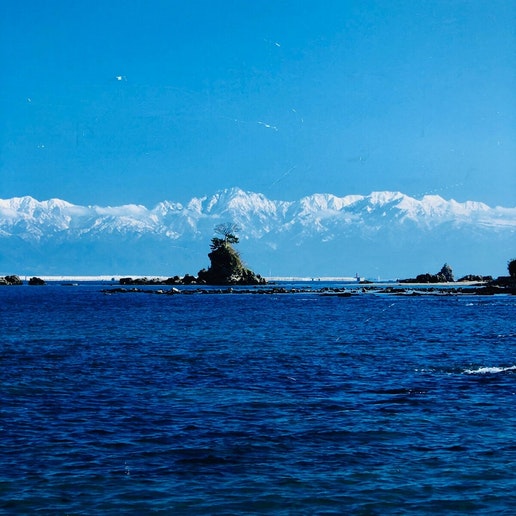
point(386, 253)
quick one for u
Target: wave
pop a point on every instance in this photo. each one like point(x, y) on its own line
point(490, 370)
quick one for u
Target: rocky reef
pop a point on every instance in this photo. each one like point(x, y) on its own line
point(486, 285)
point(500, 285)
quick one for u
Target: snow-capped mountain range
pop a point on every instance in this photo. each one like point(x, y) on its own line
point(384, 233)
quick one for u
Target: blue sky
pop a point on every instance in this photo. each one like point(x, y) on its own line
point(139, 101)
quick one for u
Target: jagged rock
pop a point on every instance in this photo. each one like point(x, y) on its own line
point(227, 269)
point(36, 281)
point(175, 280)
point(188, 279)
point(475, 277)
point(11, 280)
point(445, 275)
point(226, 265)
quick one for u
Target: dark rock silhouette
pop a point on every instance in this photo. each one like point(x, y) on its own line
point(187, 279)
point(226, 265)
point(475, 277)
point(511, 267)
point(36, 281)
point(502, 285)
point(445, 275)
point(11, 280)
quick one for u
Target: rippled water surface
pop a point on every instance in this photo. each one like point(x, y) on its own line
point(252, 404)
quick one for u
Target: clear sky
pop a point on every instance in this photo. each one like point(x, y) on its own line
point(111, 102)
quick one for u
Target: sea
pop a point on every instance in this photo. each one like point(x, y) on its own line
point(245, 403)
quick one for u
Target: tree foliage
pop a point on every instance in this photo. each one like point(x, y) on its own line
point(228, 232)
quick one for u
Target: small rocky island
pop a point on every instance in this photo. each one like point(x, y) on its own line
point(445, 275)
point(11, 280)
point(485, 285)
point(226, 266)
point(15, 280)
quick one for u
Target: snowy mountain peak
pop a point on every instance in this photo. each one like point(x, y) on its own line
point(165, 207)
point(28, 205)
point(238, 201)
point(311, 225)
point(382, 198)
point(252, 209)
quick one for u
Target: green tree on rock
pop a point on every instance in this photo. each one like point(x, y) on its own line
point(226, 265)
point(228, 232)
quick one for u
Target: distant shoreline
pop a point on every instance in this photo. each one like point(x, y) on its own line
point(343, 286)
point(271, 279)
point(336, 279)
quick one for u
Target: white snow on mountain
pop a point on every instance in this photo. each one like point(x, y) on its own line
point(253, 212)
point(381, 221)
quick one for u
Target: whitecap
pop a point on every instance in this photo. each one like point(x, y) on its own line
point(490, 370)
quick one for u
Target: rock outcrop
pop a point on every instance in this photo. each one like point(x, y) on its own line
point(475, 277)
point(187, 279)
point(11, 280)
point(227, 269)
point(36, 281)
point(445, 275)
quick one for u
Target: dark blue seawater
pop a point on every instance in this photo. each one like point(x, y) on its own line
point(256, 404)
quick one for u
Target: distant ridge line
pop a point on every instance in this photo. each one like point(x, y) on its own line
point(385, 234)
